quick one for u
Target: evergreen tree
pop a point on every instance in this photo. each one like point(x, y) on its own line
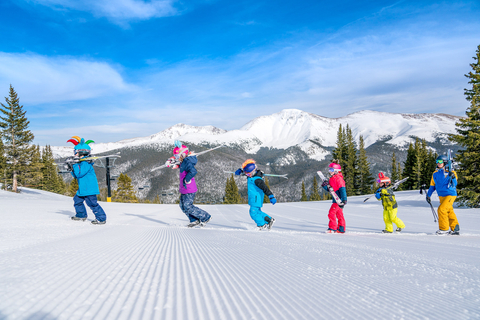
point(33, 173)
point(3, 166)
point(395, 173)
point(365, 178)
point(349, 168)
point(315, 196)
point(72, 188)
point(304, 194)
point(341, 150)
point(396, 170)
point(124, 191)
point(429, 167)
point(157, 200)
point(51, 181)
point(468, 137)
point(408, 168)
point(17, 137)
point(232, 195)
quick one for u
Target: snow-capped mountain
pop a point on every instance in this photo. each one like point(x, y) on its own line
point(292, 127)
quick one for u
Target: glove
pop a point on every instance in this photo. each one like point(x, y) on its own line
point(451, 174)
point(324, 183)
point(343, 205)
point(272, 199)
point(185, 184)
point(238, 172)
point(429, 201)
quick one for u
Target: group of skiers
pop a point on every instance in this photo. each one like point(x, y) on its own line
point(443, 181)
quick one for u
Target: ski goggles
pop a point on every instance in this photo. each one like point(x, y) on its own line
point(331, 170)
point(439, 161)
point(249, 174)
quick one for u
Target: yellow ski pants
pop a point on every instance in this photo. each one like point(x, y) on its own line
point(390, 217)
point(446, 216)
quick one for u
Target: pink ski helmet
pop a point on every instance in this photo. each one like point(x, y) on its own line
point(179, 149)
point(334, 167)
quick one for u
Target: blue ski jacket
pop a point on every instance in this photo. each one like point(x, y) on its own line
point(440, 181)
point(86, 177)
point(257, 188)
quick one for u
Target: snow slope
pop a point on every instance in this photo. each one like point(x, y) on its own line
point(292, 127)
point(145, 264)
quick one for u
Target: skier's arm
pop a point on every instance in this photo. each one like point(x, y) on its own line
point(191, 172)
point(262, 185)
point(432, 188)
point(342, 194)
point(81, 169)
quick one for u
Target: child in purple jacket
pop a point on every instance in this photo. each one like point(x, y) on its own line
point(188, 186)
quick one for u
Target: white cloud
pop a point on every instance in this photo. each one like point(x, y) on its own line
point(117, 9)
point(40, 79)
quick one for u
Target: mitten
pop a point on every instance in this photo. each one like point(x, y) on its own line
point(238, 172)
point(272, 199)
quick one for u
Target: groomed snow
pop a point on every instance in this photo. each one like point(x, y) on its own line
point(145, 264)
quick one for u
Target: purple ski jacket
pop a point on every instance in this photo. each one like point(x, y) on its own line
point(187, 173)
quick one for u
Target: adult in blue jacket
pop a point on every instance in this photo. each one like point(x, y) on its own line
point(445, 183)
point(88, 189)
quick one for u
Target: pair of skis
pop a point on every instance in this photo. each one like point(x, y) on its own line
point(174, 163)
point(393, 186)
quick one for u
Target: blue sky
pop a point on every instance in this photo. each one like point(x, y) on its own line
point(111, 70)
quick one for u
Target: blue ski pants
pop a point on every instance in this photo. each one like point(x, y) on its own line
point(258, 216)
point(192, 212)
point(92, 203)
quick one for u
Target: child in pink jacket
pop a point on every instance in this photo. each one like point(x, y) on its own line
point(336, 222)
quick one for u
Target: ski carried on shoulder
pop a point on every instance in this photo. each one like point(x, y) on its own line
point(74, 159)
point(174, 163)
point(265, 174)
point(393, 186)
point(330, 189)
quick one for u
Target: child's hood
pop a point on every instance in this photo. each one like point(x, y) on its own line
point(192, 159)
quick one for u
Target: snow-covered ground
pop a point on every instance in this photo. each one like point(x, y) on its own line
point(145, 264)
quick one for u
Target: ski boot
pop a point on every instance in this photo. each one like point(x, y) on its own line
point(386, 231)
point(330, 231)
point(194, 224)
point(270, 222)
point(341, 229)
point(456, 231)
point(442, 232)
point(98, 222)
point(398, 230)
point(203, 223)
point(75, 218)
point(260, 228)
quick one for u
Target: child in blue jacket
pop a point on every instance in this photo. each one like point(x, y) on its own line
point(87, 184)
point(257, 189)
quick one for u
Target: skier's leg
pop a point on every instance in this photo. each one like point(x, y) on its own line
point(96, 208)
point(186, 204)
point(341, 220)
point(258, 216)
point(452, 217)
point(443, 211)
point(80, 210)
point(388, 222)
point(192, 211)
point(395, 219)
point(332, 217)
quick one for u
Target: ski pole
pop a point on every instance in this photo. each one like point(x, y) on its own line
point(435, 217)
